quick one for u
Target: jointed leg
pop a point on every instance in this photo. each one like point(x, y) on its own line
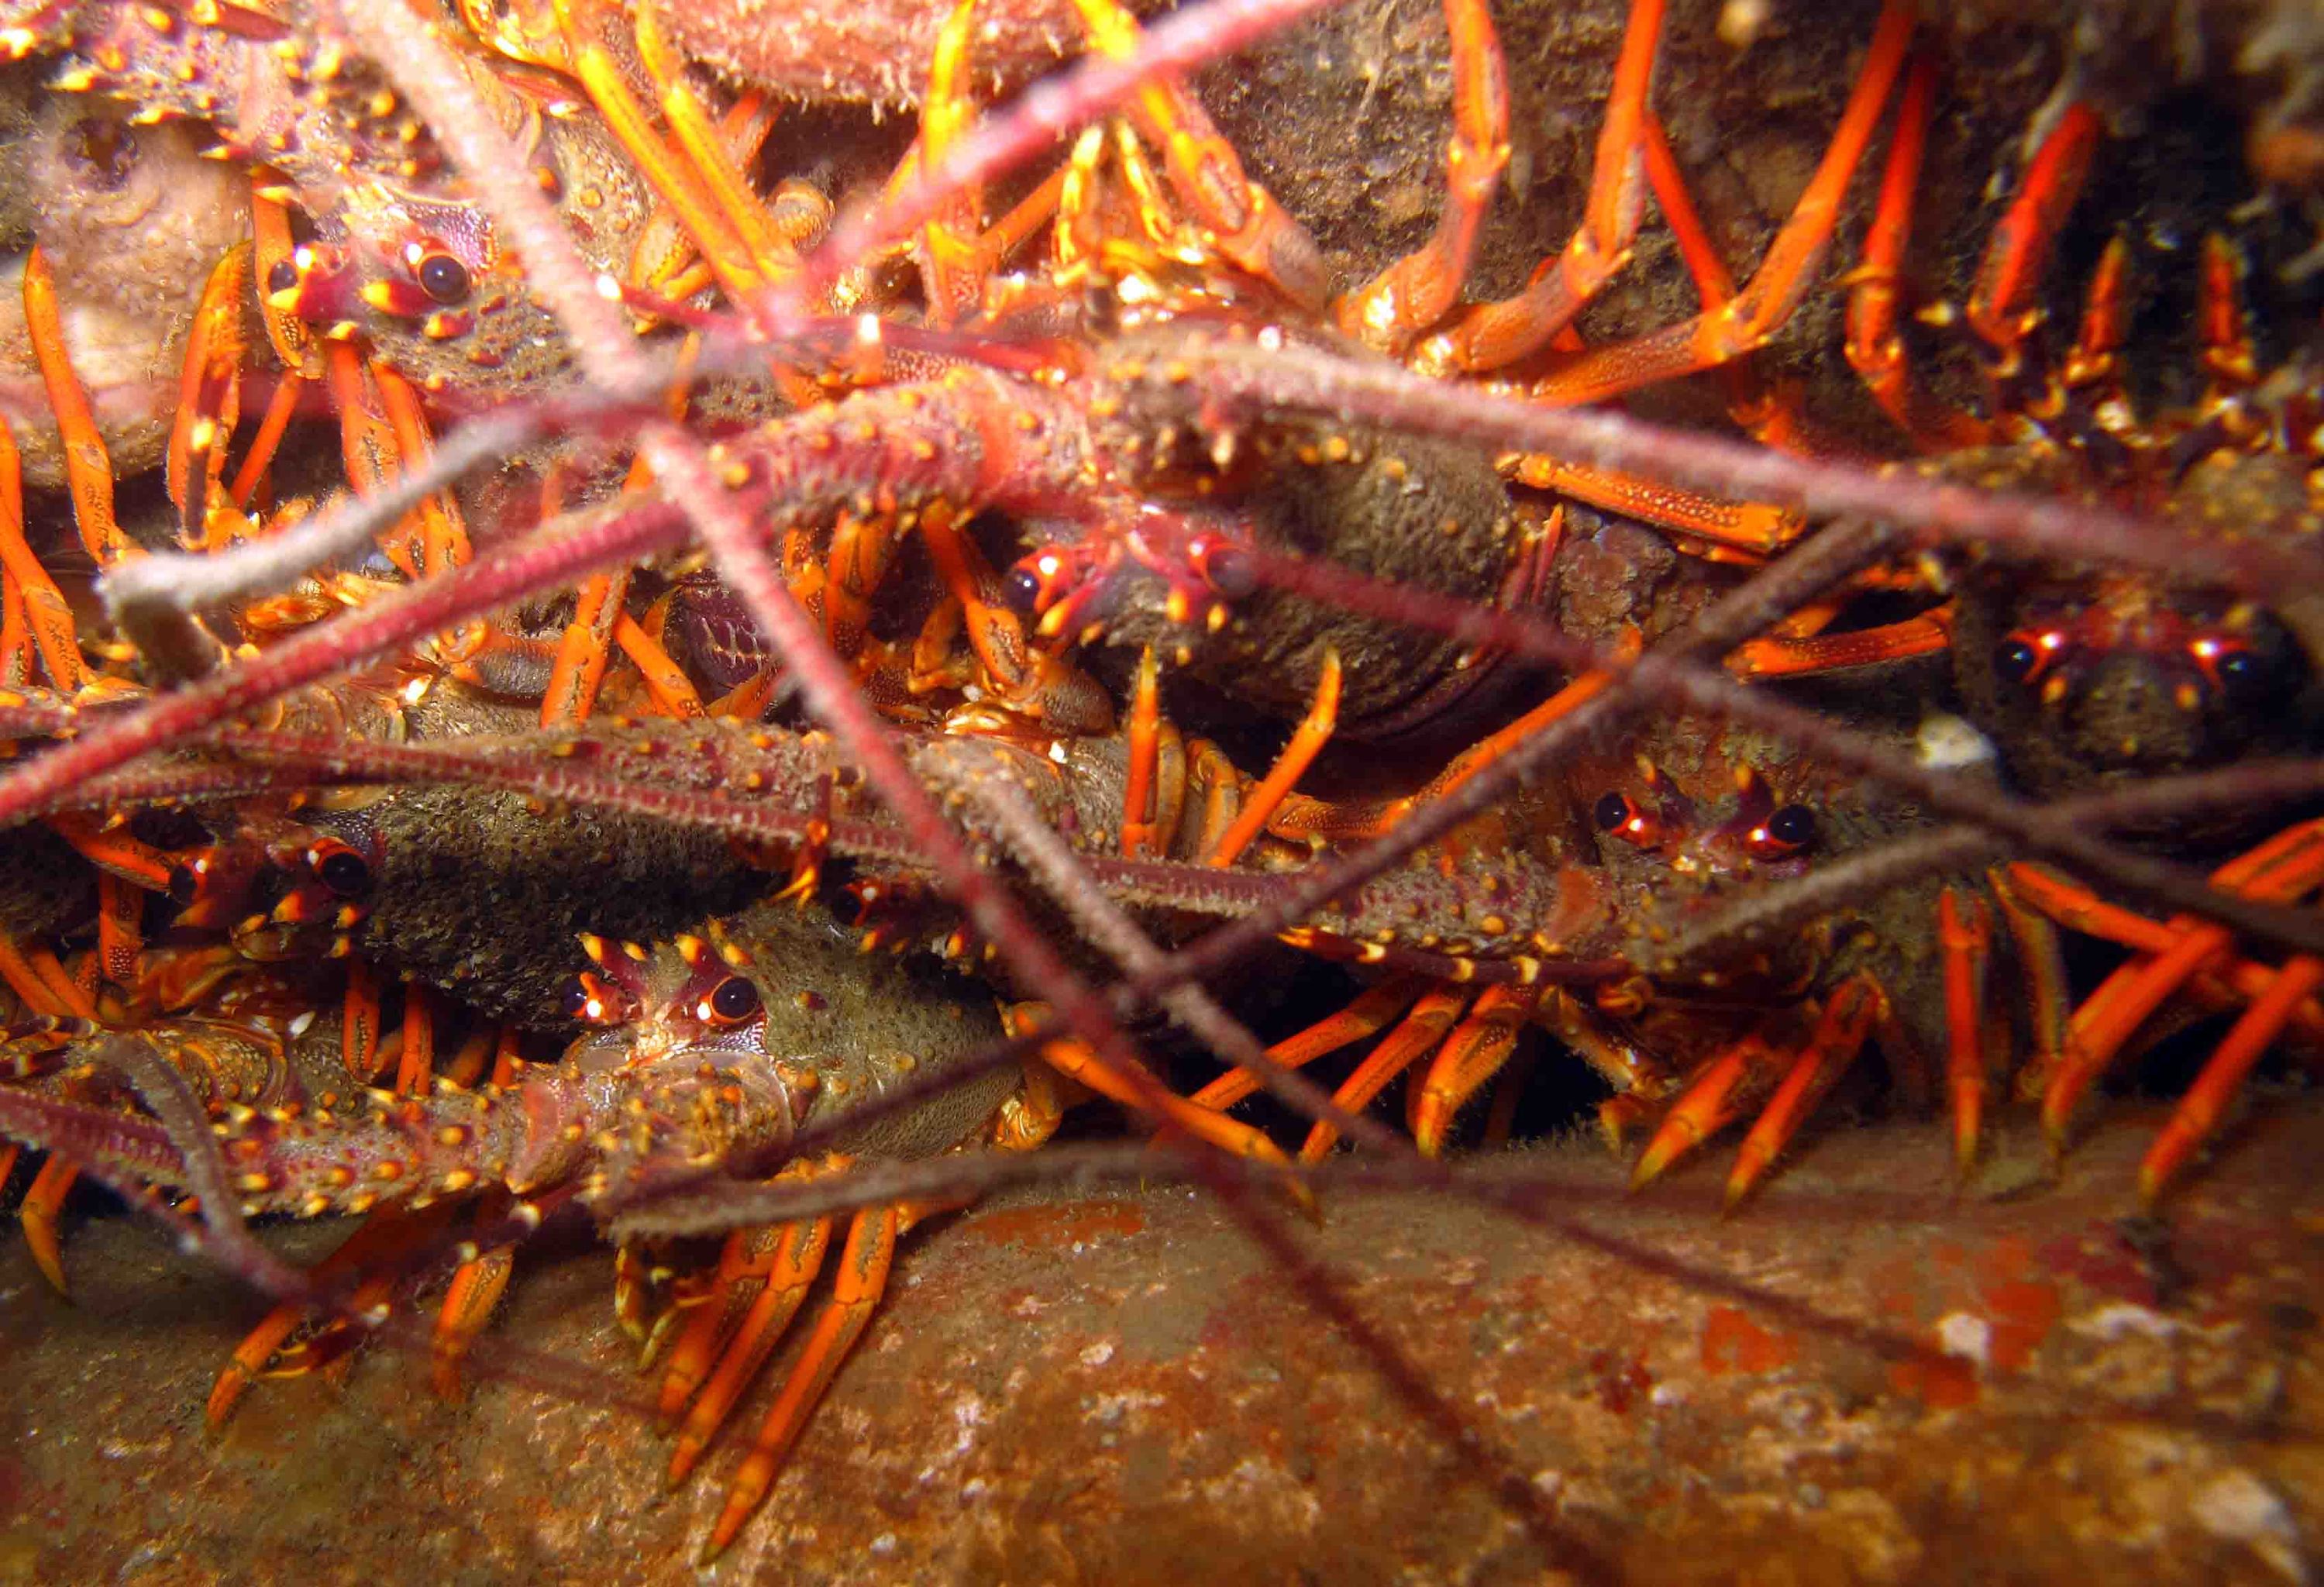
point(861, 1279)
point(1493, 335)
point(1418, 290)
point(1856, 1005)
point(1753, 315)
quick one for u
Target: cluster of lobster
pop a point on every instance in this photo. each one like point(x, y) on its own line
point(1708, 758)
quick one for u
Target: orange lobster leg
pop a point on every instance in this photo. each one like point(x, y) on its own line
point(113, 851)
point(1307, 741)
point(1775, 656)
point(281, 408)
point(1141, 1091)
point(1245, 222)
point(209, 398)
point(46, 615)
point(1749, 526)
point(675, 180)
point(382, 1234)
point(120, 907)
point(711, 150)
point(584, 650)
point(1301, 817)
point(2093, 365)
point(2198, 1113)
point(444, 538)
point(1493, 335)
point(2041, 961)
point(359, 1022)
point(860, 550)
point(88, 471)
point(1875, 345)
point(128, 869)
point(36, 977)
point(2220, 323)
point(1856, 1006)
point(673, 692)
point(952, 265)
point(44, 1200)
point(17, 652)
point(276, 264)
point(416, 1066)
point(1702, 1110)
point(477, 1284)
point(2279, 871)
point(1752, 315)
point(861, 1279)
point(1472, 1055)
point(1028, 681)
point(1416, 291)
point(712, 1307)
point(797, 1257)
point(1140, 830)
point(368, 449)
point(1366, 1016)
point(1966, 939)
point(2001, 307)
point(1420, 1032)
point(2238, 981)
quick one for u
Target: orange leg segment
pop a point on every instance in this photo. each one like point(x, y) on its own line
point(1746, 322)
point(88, 471)
point(1855, 1007)
point(1702, 1110)
point(798, 1257)
point(2199, 1111)
point(1416, 291)
point(1965, 936)
point(2000, 307)
point(861, 1279)
point(1472, 1055)
point(1493, 335)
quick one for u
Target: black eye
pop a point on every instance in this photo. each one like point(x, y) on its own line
point(592, 1001)
point(343, 871)
point(1610, 812)
point(1794, 826)
point(185, 884)
point(2242, 676)
point(282, 277)
point(1788, 829)
point(1225, 569)
point(444, 278)
point(1022, 591)
point(734, 999)
point(2015, 659)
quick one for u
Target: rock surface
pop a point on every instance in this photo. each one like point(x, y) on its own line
point(1858, 1379)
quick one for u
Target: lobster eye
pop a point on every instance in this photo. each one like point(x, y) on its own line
point(282, 277)
point(343, 871)
point(592, 1002)
point(444, 279)
point(2016, 660)
point(1021, 592)
point(1219, 563)
point(1621, 815)
point(2241, 674)
point(733, 1001)
point(1790, 829)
